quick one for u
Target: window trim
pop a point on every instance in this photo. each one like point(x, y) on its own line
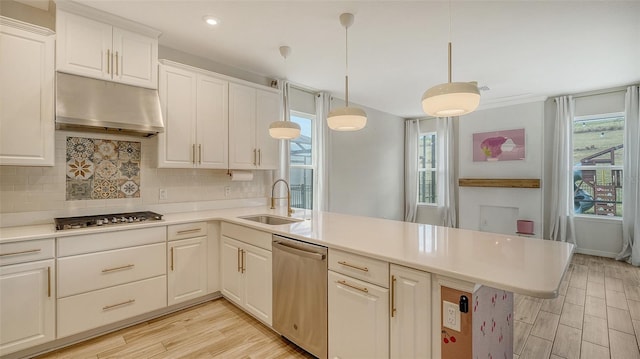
point(314, 158)
point(596, 217)
point(433, 169)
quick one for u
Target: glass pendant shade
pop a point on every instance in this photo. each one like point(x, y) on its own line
point(451, 99)
point(347, 119)
point(284, 130)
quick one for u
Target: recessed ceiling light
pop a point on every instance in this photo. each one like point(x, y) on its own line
point(211, 20)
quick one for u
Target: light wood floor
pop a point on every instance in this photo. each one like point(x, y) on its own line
point(216, 329)
point(596, 315)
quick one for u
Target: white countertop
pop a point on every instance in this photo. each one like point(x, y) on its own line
point(522, 265)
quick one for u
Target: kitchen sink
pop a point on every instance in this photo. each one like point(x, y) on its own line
point(272, 220)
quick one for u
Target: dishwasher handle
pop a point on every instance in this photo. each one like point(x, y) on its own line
point(297, 251)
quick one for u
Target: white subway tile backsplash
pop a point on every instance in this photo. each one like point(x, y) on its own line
point(33, 195)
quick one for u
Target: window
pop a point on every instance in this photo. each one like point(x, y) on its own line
point(302, 162)
point(427, 174)
point(598, 159)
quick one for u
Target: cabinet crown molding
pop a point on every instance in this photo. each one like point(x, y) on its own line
point(7, 21)
point(114, 20)
point(217, 75)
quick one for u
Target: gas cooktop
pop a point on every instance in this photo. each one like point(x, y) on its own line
point(105, 220)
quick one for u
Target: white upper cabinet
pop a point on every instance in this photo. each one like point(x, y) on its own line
point(251, 111)
point(136, 58)
point(176, 145)
point(267, 111)
point(27, 100)
point(95, 48)
point(195, 112)
point(212, 117)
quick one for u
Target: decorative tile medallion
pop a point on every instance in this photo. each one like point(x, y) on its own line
point(102, 169)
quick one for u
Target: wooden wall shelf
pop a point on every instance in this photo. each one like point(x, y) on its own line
point(500, 182)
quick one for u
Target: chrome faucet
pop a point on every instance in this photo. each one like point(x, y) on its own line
point(273, 199)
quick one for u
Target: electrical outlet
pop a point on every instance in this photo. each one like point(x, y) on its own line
point(163, 194)
point(227, 191)
point(451, 315)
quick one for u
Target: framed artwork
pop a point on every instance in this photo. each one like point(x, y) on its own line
point(499, 146)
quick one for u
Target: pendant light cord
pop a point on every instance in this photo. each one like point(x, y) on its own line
point(449, 41)
point(346, 66)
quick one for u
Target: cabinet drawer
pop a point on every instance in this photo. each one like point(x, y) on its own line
point(187, 230)
point(367, 269)
point(86, 272)
point(248, 235)
point(91, 310)
point(26, 251)
point(68, 246)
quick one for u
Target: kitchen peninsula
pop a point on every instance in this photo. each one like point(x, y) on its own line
point(504, 264)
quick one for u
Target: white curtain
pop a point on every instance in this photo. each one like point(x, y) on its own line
point(631, 180)
point(446, 172)
point(562, 213)
point(412, 131)
point(321, 193)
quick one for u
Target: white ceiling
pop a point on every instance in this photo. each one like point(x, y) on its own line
point(398, 49)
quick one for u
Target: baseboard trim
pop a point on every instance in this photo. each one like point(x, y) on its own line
point(96, 332)
point(592, 252)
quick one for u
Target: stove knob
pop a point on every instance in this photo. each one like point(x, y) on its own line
point(98, 222)
point(105, 220)
point(114, 220)
point(122, 219)
point(130, 220)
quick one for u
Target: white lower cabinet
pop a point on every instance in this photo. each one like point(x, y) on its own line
point(246, 277)
point(187, 269)
point(27, 305)
point(410, 324)
point(110, 276)
point(358, 318)
point(85, 311)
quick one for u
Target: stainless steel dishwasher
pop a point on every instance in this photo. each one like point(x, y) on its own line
point(300, 293)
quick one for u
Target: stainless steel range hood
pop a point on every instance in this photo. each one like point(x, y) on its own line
point(87, 104)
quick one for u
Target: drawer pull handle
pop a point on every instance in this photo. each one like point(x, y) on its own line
point(128, 266)
point(49, 282)
point(192, 230)
point(364, 269)
point(362, 289)
point(239, 265)
point(21, 252)
point(109, 59)
point(200, 153)
point(107, 307)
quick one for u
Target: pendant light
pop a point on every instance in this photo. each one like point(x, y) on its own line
point(284, 130)
point(451, 98)
point(347, 118)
